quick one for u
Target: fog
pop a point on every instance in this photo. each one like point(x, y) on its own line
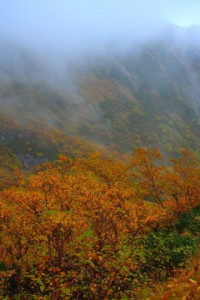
point(79, 26)
point(63, 62)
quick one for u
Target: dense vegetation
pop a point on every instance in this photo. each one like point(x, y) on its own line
point(95, 228)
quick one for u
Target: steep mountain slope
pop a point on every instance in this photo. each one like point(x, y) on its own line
point(146, 95)
point(145, 98)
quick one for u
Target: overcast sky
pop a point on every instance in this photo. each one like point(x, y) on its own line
point(75, 22)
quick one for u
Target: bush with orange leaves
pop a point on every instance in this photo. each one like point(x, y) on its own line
point(69, 231)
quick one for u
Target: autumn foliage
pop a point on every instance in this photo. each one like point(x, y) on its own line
point(73, 229)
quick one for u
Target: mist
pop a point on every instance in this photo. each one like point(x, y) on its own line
point(80, 66)
point(74, 27)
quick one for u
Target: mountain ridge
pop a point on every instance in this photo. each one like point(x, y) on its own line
point(147, 95)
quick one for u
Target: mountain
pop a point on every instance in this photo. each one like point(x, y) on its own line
point(147, 94)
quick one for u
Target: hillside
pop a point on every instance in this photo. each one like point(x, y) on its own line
point(90, 208)
point(144, 95)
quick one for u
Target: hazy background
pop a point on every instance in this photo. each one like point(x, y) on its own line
point(62, 68)
point(80, 24)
